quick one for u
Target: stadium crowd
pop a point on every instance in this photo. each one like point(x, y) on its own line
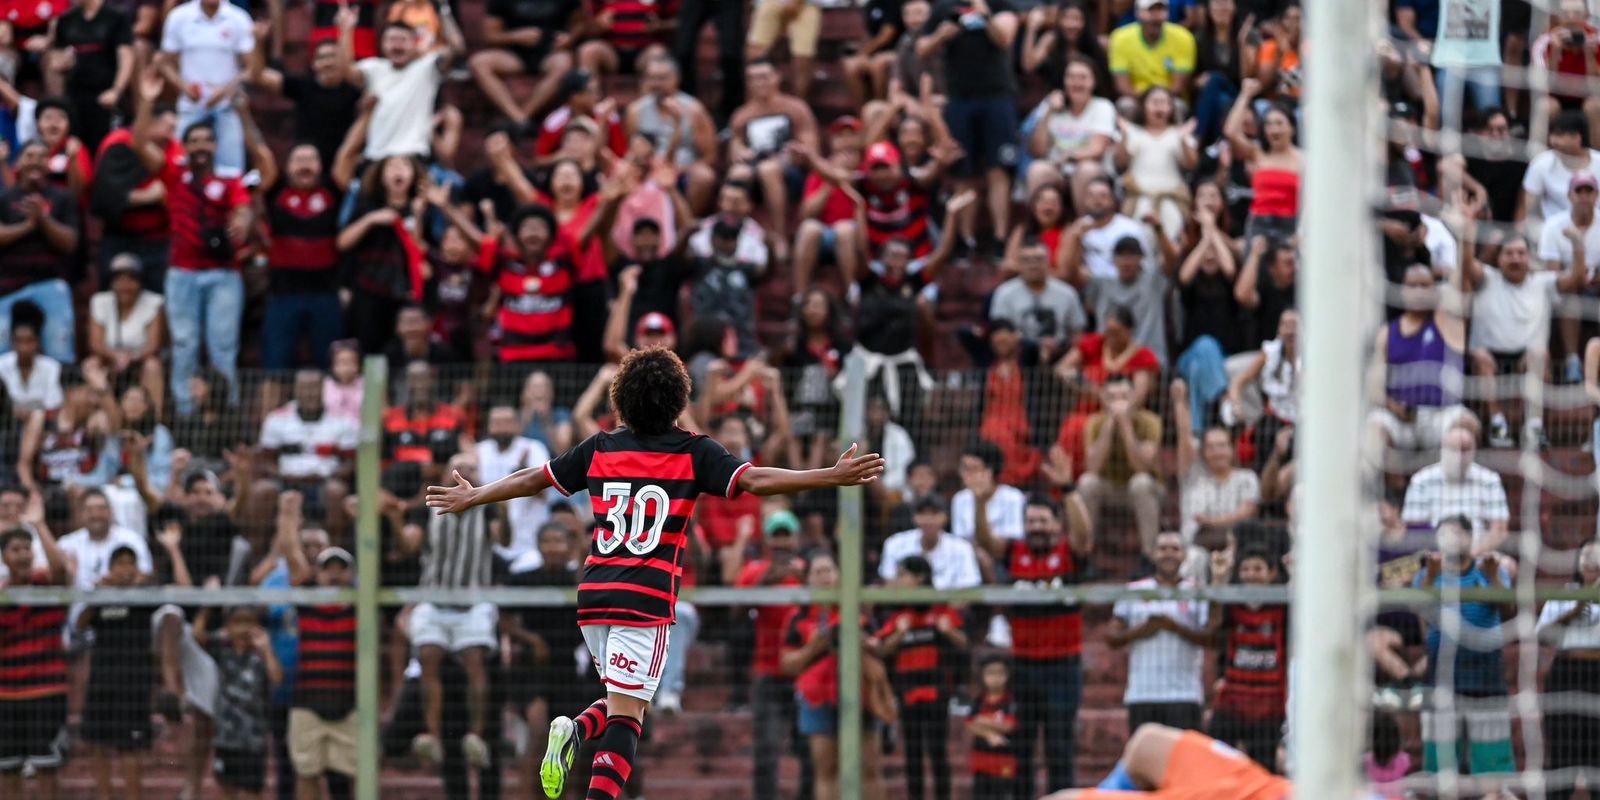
point(1080, 216)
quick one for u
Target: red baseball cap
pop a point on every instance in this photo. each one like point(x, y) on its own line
point(846, 123)
point(1584, 179)
point(882, 153)
point(654, 323)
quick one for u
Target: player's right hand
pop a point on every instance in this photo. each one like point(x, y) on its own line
point(852, 469)
point(451, 499)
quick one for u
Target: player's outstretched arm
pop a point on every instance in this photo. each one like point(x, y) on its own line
point(850, 470)
point(463, 495)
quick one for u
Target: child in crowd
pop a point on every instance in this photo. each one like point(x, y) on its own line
point(247, 668)
point(994, 757)
point(923, 642)
point(1252, 693)
point(116, 709)
point(1387, 762)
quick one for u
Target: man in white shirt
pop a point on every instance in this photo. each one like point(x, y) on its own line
point(983, 462)
point(204, 44)
point(1569, 236)
point(1089, 243)
point(1457, 486)
point(954, 561)
point(1166, 645)
point(505, 451)
point(405, 80)
point(90, 547)
point(312, 446)
point(1511, 312)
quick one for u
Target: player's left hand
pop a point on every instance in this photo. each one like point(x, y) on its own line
point(852, 469)
point(451, 499)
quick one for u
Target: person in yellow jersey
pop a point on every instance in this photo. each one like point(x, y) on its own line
point(1151, 51)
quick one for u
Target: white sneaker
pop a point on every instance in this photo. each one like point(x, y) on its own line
point(1387, 699)
point(669, 702)
point(476, 751)
point(1499, 432)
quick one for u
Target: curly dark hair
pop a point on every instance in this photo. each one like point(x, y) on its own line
point(651, 390)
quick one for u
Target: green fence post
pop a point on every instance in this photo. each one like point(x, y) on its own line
point(369, 555)
point(851, 425)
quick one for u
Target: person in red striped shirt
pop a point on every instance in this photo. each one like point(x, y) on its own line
point(643, 479)
point(33, 668)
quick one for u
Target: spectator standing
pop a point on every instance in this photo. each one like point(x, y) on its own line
point(405, 79)
point(772, 691)
point(247, 670)
point(1573, 627)
point(1207, 269)
point(422, 429)
point(970, 42)
point(1252, 696)
point(1567, 52)
point(322, 721)
point(1046, 640)
point(1275, 164)
point(729, 18)
point(535, 275)
point(302, 211)
point(131, 199)
point(33, 667)
point(326, 102)
point(546, 642)
point(128, 330)
point(723, 286)
point(204, 44)
point(1122, 462)
point(32, 380)
point(93, 44)
point(382, 257)
point(504, 451)
point(1152, 52)
point(952, 559)
point(210, 216)
point(1481, 704)
point(981, 464)
point(1278, 65)
point(1045, 310)
point(39, 229)
point(993, 722)
point(922, 642)
point(1224, 52)
point(1166, 642)
point(1152, 154)
point(797, 20)
point(116, 706)
point(533, 39)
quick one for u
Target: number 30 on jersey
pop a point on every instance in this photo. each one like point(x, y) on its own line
point(627, 524)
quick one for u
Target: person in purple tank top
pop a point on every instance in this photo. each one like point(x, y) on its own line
point(1423, 350)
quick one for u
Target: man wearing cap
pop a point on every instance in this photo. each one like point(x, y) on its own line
point(773, 693)
point(1152, 52)
point(322, 716)
point(1568, 236)
point(38, 230)
point(954, 561)
point(828, 209)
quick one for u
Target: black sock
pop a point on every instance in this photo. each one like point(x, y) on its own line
point(614, 761)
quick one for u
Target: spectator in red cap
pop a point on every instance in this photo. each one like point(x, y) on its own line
point(829, 231)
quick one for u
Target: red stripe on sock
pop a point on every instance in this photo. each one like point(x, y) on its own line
point(603, 788)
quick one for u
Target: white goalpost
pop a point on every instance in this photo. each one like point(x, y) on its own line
point(1329, 668)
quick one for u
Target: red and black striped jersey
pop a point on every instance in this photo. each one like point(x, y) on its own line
point(1255, 668)
point(326, 681)
point(918, 666)
point(643, 490)
point(903, 211)
point(535, 318)
point(1042, 633)
point(33, 659)
point(304, 256)
point(995, 761)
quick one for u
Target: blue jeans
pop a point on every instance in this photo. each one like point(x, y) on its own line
point(1482, 84)
point(680, 638)
point(54, 298)
point(291, 318)
point(203, 303)
point(1211, 107)
point(230, 135)
point(1204, 367)
point(1048, 694)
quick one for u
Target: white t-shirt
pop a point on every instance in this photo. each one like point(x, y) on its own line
point(523, 514)
point(402, 123)
point(1582, 633)
point(208, 47)
point(1153, 162)
point(94, 557)
point(1549, 179)
point(1554, 245)
point(1441, 244)
point(41, 389)
point(1164, 668)
point(1512, 318)
point(1005, 513)
point(125, 335)
point(309, 448)
point(751, 247)
point(954, 561)
point(1099, 242)
point(1071, 132)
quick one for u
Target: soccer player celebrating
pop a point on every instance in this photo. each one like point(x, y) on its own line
point(643, 480)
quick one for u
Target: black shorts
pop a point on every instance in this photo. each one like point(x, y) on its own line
point(245, 770)
point(627, 61)
point(532, 58)
point(117, 716)
point(33, 733)
point(1508, 363)
point(986, 129)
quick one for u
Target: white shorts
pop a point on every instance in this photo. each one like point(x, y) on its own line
point(454, 629)
point(199, 669)
point(628, 658)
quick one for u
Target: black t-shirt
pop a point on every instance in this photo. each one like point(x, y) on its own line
point(546, 15)
point(94, 44)
point(660, 281)
point(1274, 301)
point(32, 259)
point(974, 67)
point(121, 651)
point(208, 546)
point(883, 12)
point(322, 114)
point(557, 625)
point(481, 186)
point(886, 319)
point(1502, 181)
point(1210, 310)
